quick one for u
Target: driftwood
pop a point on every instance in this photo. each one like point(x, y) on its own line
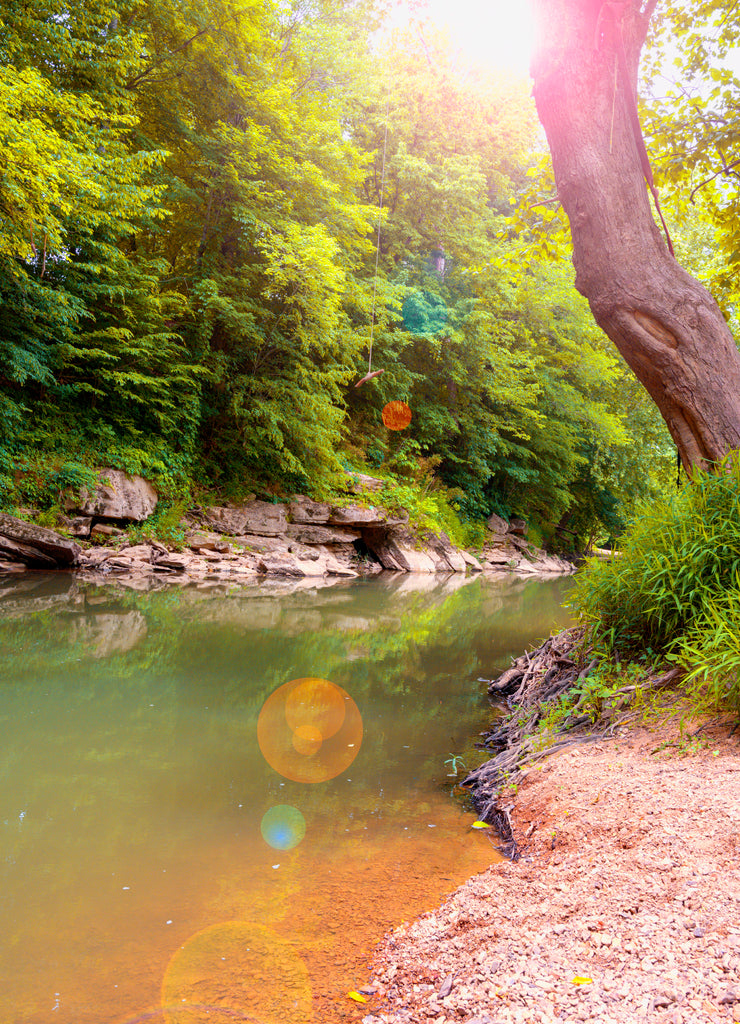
point(534, 680)
point(531, 686)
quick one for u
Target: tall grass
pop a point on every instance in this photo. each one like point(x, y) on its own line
point(673, 591)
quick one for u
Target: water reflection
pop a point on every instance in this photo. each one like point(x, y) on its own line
point(137, 810)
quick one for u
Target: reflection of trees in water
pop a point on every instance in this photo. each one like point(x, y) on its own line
point(384, 634)
point(148, 704)
point(403, 647)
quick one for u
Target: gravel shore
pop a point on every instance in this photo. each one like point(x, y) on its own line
point(624, 906)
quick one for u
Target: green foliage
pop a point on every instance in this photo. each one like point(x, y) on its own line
point(188, 226)
point(594, 698)
point(710, 651)
point(511, 385)
point(674, 588)
point(434, 510)
point(88, 333)
point(41, 481)
point(456, 764)
point(165, 524)
point(692, 124)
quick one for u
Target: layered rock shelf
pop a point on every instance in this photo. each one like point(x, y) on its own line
point(508, 550)
point(296, 539)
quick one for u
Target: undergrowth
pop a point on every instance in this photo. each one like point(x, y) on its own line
point(434, 510)
point(429, 504)
point(165, 525)
point(673, 592)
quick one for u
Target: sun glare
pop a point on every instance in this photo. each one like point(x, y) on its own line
point(497, 33)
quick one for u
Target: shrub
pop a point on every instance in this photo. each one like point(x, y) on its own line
point(710, 652)
point(674, 588)
point(164, 525)
point(436, 511)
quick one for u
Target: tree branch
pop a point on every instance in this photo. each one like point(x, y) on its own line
point(645, 16)
point(545, 202)
point(135, 81)
point(724, 169)
point(727, 13)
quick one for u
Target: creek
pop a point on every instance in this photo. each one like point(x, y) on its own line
point(214, 802)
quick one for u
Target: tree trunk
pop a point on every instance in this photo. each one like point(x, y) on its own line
point(666, 325)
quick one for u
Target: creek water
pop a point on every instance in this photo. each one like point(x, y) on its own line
point(214, 802)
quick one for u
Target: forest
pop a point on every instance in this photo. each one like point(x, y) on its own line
point(214, 213)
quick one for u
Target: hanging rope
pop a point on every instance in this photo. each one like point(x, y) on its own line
point(370, 373)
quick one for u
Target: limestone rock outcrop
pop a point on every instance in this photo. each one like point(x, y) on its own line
point(304, 510)
point(508, 550)
point(116, 496)
point(299, 539)
point(359, 515)
point(261, 518)
point(34, 545)
point(397, 547)
point(497, 525)
point(305, 533)
point(320, 513)
point(357, 483)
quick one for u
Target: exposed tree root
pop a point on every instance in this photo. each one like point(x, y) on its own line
point(532, 685)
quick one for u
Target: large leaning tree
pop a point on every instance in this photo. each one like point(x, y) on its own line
point(666, 325)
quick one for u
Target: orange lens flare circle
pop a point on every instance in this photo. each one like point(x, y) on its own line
point(236, 969)
point(309, 730)
point(396, 415)
point(307, 739)
point(315, 704)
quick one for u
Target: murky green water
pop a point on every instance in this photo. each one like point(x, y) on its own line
point(155, 867)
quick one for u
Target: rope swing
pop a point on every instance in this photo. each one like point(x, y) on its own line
point(370, 372)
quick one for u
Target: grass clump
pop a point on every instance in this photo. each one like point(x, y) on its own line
point(673, 593)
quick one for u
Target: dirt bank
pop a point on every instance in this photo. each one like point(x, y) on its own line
point(629, 877)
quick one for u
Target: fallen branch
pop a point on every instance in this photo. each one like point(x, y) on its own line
point(533, 684)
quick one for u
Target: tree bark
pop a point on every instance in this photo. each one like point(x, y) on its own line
point(666, 325)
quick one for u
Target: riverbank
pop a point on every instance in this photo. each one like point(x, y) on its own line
point(628, 880)
point(116, 530)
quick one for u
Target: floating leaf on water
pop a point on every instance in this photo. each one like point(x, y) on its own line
point(481, 824)
point(583, 981)
point(357, 997)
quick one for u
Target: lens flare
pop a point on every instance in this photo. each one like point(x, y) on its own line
point(316, 706)
point(307, 739)
point(240, 970)
point(396, 415)
point(309, 730)
point(283, 827)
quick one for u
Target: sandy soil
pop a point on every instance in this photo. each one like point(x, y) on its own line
point(624, 906)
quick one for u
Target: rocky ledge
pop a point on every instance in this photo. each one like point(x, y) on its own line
point(508, 550)
point(299, 538)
